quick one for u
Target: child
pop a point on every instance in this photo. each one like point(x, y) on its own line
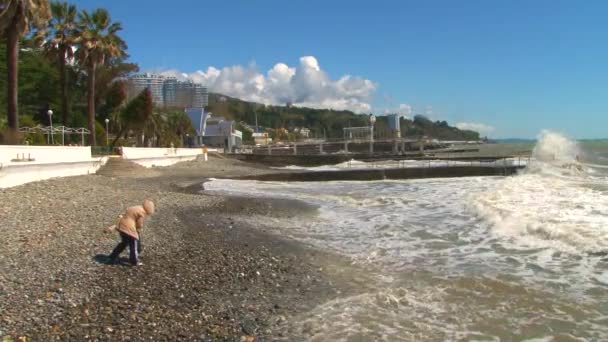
point(129, 225)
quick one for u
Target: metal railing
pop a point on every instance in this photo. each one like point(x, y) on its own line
point(349, 146)
point(517, 162)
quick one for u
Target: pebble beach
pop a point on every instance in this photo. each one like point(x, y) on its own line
point(209, 273)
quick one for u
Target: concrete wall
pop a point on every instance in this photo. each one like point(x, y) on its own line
point(300, 160)
point(43, 154)
point(404, 173)
point(330, 159)
point(150, 157)
point(20, 164)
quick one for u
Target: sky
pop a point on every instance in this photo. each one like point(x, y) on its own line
point(507, 68)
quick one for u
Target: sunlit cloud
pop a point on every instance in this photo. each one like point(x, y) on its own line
point(303, 85)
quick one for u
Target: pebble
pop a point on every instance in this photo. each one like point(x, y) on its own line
point(52, 231)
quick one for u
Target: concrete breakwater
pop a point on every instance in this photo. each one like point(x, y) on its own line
point(332, 159)
point(381, 174)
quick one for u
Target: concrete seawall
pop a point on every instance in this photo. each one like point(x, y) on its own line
point(20, 164)
point(332, 159)
point(381, 174)
point(150, 157)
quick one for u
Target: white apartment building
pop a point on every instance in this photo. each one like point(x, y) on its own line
point(169, 91)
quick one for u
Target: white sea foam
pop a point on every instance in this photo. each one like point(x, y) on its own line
point(391, 164)
point(555, 147)
point(545, 229)
point(552, 204)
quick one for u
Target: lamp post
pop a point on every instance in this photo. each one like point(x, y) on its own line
point(107, 122)
point(50, 139)
point(372, 120)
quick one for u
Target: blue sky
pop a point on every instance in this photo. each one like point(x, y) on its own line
point(516, 66)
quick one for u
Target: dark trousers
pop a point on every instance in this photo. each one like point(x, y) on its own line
point(126, 240)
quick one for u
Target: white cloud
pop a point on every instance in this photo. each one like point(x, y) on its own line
point(304, 85)
point(481, 128)
point(405, 110)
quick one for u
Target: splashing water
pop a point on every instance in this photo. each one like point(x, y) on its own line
point(486, 258)
point(553, 146)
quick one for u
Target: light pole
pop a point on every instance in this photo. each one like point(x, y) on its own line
point(51, 138)
point(372, 120)
point(107, 122)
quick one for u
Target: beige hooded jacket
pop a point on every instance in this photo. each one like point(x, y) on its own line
point(132, 220)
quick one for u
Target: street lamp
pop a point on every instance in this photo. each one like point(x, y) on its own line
point(107, 122)
point(50, 137)
point(372, 120)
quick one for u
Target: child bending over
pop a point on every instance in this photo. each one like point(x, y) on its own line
point(129, 226)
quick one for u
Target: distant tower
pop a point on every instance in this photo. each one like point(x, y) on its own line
point(393, 125)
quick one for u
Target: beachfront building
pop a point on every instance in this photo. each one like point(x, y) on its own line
point(169, 91)
point(198, 117)
point(261, 138)
point(214, 131)
point(220, 132)
point(302, 131)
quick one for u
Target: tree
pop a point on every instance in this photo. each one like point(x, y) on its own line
point(114, 99)
point(58, 40)
point(16, 16)
point(135, 114)
point(98, 40)
point(113, 71)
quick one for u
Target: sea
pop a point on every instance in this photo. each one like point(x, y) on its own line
point(518, 258)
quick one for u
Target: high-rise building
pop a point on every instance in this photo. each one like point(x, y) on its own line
point(138, 83)
point(200, 96)
point(169, 91)
point(394, 125)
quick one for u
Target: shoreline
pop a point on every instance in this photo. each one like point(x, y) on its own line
point(208, 274)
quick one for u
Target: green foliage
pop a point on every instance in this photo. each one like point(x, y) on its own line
point(324, 122)
point(37, 138)
point(138, 110)
point(38, 83)
point(113, 101)
point(422, 126)
point(247, 134)
point(110, 88)
point(135, 115)
point(100, 133)
point(171, 126)
point(319, 120)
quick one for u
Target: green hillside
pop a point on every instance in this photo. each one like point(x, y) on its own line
point(326, 122)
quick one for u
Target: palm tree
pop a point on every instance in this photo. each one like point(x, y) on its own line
point(16, 16)
point(135, 115)
point(58, 40)
point(98, 41)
